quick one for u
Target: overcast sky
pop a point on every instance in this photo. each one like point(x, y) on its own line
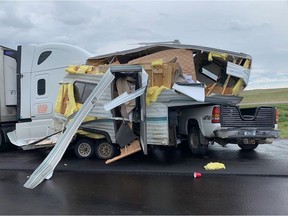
point(257, 28)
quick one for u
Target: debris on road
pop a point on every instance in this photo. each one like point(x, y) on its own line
point(197, 174)
point(214, 166)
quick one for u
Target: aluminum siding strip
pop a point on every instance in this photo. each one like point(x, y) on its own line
point(157, 124)
point(46, 168)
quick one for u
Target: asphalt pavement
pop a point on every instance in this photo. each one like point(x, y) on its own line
point(252, 183)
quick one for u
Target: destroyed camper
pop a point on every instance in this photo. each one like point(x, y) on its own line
point(154, 96)
point(191, 94)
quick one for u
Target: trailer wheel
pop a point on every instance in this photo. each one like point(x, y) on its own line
point(194, 142)
point(105, 150)
point(248, 147)
point(84, 148)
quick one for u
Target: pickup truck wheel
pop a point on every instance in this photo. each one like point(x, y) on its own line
point(105, 150)
point(248, 147)
point(84, 148)
point(194, 142)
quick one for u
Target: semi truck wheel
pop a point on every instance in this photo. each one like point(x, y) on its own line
point(194, 142)
point(105, 150)
point(2, 141)
point(84, 148)
point(4, 146)
point(248, 147)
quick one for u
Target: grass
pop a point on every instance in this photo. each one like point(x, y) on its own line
point(283, 119)
point(270, 97)
point(265, 96)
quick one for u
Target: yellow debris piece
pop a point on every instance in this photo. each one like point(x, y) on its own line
point(156, 63)
point(72, 69)
point(65, 102)
point(215, 54)
point(214, 166)
point(90, 135)
point(84, 69)
point(247, 63)
point(238, 87)
point(153, 93)
point(66, 105)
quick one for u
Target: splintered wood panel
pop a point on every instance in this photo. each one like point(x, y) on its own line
point(168, 75)
point(157, 74)
point(161, 75)
point(184, 58)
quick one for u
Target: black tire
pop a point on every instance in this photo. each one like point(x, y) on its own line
point(105, 150)
point(3, 144)
point(84, 148)
point(248, 147)
point(194, 142)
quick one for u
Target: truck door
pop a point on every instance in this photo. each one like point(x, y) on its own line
point(41, 100)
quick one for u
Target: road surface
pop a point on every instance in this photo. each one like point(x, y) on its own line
point(252, 183)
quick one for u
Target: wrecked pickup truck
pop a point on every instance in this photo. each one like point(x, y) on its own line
point(191, 96)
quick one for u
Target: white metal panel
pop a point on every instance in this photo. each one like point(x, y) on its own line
point(1, 83)
point(10, 82)
point(238, 71)
point(7, 113)
point(25, 95)
point(30, 131)
point(195, 91)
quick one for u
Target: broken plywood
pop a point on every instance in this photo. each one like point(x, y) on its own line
point(132, 148)
point(184, 58)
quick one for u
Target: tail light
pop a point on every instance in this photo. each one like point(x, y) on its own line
point(276, 116)
point(216, 114)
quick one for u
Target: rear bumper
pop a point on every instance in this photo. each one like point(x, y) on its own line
point(251, 133)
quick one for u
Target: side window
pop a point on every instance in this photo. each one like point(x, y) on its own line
point(43, 56)
point(41, 86)
point(82, 91)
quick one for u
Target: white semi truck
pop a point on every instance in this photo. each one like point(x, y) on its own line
point(29, 79)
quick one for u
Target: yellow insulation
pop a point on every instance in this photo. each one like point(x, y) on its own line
point(215, 54)
point(153, 93)
point(66, 103)
point(214, 166)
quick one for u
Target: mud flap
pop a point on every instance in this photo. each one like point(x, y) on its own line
point(127, 150)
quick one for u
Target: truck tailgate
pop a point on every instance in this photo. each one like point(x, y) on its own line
point(260, 117)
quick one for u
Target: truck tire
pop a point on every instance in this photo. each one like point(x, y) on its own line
point(194, 142)
point(84, 148)
point(105, 150)
point(2, 142)
point(248, 147)
point(4, 146)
